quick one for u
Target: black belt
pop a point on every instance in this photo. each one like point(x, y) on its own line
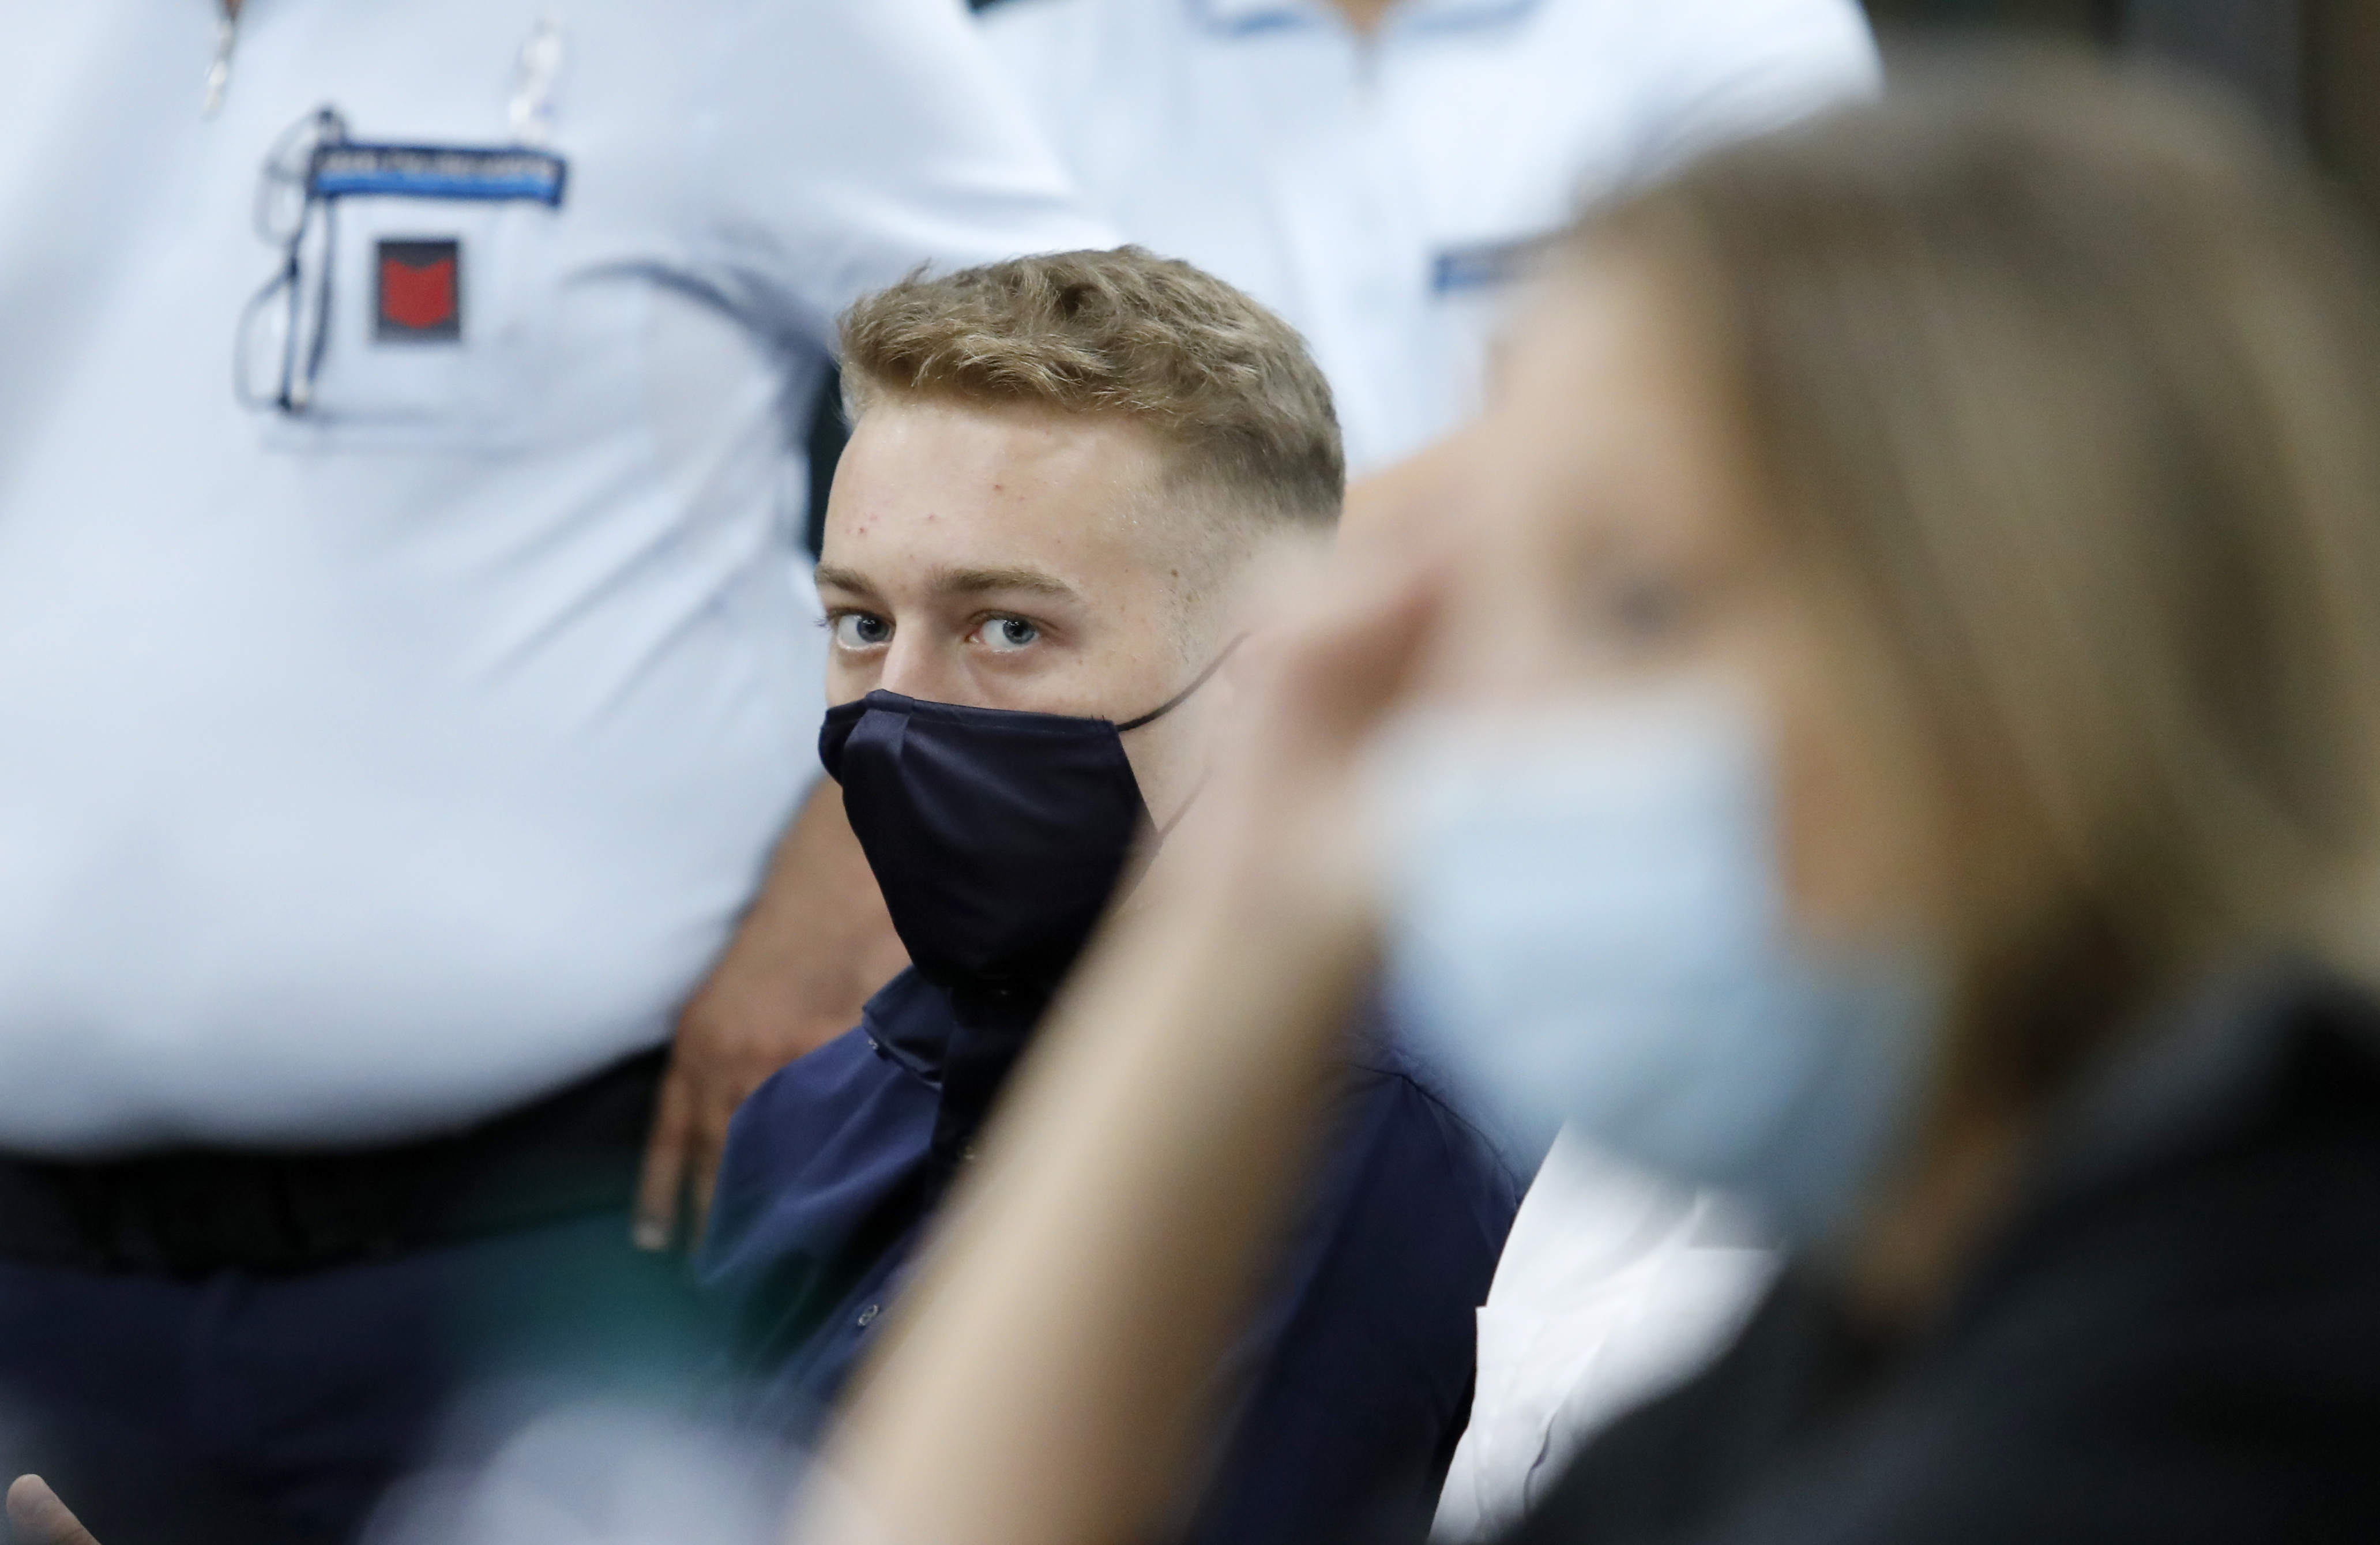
point(194, 1212)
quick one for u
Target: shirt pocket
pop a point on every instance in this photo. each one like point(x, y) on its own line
point(430, 323)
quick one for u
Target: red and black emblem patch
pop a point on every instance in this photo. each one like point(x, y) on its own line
point(421, 289)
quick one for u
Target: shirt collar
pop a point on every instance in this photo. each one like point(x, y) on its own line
point(1247, 18)
point(909, 1021)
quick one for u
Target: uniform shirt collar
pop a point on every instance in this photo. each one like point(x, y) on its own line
point(1248, 17)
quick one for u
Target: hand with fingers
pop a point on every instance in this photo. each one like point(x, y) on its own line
point(815, 945)
point(37, 1517)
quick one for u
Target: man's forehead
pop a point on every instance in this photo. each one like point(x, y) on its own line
point(971, 500)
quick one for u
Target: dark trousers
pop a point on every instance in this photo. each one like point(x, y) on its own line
point(257, 1409)
point(202, 1346)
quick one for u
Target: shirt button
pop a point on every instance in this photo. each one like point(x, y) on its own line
point(868, 1316)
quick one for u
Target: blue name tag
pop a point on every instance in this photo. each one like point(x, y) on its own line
point(1486, 264)
point(436, 172)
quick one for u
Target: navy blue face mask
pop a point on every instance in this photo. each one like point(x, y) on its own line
point(997, 837)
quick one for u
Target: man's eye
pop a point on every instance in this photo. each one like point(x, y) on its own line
point(1004, 633)
point(861, 630)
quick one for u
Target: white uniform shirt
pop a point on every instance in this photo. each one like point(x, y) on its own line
point(1376, 192)
point(371, 772)
point(1615, 1287)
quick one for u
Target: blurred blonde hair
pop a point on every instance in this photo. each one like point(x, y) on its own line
point(2075, 382)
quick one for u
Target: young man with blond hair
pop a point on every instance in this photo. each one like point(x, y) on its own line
point(1065, 474)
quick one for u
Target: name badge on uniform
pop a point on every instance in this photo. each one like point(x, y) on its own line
point(417, 279)
point(347, 168)
point(1487, 264)
point(418, 290)
point(417, 282)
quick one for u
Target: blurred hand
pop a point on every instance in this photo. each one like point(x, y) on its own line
point(815, 945)
point(1287, 828)
point(1412, 504)
point(37, 1517)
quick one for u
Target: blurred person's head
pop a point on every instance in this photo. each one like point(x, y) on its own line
point(2012, 450)
point(1064, 477)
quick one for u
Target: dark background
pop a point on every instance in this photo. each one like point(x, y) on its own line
point(2310, 65)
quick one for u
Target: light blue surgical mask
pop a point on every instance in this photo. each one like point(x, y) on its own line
point(1587, 924)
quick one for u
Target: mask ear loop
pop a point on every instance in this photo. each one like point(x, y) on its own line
point(1168, 706)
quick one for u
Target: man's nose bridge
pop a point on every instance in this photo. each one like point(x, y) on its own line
point(913, 666)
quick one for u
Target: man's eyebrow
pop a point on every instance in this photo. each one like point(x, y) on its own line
point(980, 581)
point(843, 579)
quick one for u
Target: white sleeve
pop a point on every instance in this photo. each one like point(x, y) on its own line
point(1728, 68)
point(811, 666)
point(850, 141)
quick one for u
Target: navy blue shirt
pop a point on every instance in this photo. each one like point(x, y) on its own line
point(1354, 1380)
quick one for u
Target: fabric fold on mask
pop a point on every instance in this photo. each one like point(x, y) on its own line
point(997, 835)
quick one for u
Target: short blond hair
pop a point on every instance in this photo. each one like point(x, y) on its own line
point(1226, 385)
point(2075, 382)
